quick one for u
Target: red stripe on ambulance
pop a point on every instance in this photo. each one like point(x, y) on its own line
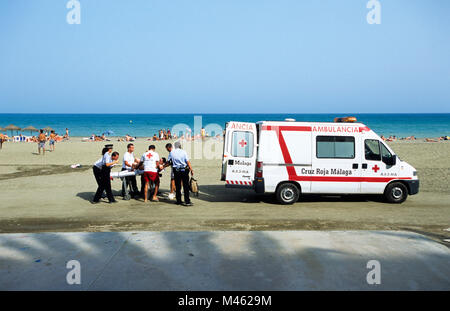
point(291, 169)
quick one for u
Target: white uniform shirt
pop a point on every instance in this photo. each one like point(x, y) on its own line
point(107, 159)
point(179, 158)
point(99, 163)
point(150, 158)
point(128, 157)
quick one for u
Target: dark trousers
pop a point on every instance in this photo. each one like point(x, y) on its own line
point(131, 181)
point(105, 185)
point(97, 175)
point(182, 177)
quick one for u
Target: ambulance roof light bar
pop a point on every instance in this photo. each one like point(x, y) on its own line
point(345, 120)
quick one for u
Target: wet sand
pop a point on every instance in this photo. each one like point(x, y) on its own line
point(42, 193)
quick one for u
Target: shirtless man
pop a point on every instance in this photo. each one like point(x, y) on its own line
point(41, 142)
point(52, 140)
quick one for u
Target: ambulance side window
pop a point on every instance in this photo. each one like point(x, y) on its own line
point(385, 154)
point(372, 150)
point(242, 144)
point(335, 147)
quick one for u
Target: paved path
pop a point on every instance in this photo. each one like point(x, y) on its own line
point(233, 260)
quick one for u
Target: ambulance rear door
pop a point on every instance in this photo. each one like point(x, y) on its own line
point(239, 156)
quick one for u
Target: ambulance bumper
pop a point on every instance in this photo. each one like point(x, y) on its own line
point(413, 186)
point(259, 185)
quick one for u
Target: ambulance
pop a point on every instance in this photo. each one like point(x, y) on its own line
point(289, 158)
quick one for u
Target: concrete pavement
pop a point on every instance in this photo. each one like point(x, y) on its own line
point(224, 260)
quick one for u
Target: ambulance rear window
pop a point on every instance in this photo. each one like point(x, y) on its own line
point(335, 147)
point(242, 144)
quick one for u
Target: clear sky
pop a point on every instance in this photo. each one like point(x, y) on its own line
point(220, 56)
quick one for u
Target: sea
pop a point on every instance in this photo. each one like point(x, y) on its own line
point(145, 125)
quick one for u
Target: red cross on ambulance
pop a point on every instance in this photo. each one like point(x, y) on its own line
point(243, 143)
point(375, 168)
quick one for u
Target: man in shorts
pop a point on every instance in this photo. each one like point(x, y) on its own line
point(52, 140)
point(41, 142)
point(151, 160)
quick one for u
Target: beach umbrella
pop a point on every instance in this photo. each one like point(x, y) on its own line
point(31, 129)
point(48, 129)
point(12, 128)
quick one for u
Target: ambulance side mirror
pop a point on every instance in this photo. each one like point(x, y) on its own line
point(390, 161)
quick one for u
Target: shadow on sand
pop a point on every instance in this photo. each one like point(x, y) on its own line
point(218, 193)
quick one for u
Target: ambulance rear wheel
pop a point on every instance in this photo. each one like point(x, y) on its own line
point(287, 193)
point(396, 193)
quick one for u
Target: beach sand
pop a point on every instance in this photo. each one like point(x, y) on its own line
point(42, 193)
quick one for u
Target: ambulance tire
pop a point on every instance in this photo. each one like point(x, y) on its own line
point(287, 193)
point(396, 192)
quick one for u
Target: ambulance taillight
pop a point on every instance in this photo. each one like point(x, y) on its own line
point(259, 169)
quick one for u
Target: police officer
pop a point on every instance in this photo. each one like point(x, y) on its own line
point(181, 168)
point(97, 169)
point(109, 159)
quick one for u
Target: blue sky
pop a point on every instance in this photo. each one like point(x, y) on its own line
point(217, 56)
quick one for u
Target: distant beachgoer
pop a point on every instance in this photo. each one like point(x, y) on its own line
point(129, 138)
point(66, 136)
point(203, 133)
point(2, 139)
point(42, 138)
point(52, 140)
point(431, 140)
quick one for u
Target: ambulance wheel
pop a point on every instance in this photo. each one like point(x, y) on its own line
point(396, 193)
point(287, 193)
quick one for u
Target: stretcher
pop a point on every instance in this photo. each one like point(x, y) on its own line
point(122, 175)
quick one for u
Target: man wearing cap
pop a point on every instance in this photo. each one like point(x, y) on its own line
point(109, 160)
point(181, 167)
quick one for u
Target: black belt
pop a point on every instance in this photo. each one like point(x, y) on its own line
point(181, 169)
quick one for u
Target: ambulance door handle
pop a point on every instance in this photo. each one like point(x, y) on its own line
point(355, 166)
point(364, 166)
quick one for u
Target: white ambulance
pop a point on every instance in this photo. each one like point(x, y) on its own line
point(291, 158)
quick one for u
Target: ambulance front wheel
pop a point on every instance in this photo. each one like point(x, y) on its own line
point(396, 193)
point(287, 193)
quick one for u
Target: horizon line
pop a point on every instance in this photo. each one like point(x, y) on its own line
point(215, 113)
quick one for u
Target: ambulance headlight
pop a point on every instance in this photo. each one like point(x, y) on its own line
point(415, 173)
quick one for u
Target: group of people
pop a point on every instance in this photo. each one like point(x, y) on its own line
point(52, 138)
point(152, 166)
point(41, 139)
point(163, 135)
point(430, 140)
